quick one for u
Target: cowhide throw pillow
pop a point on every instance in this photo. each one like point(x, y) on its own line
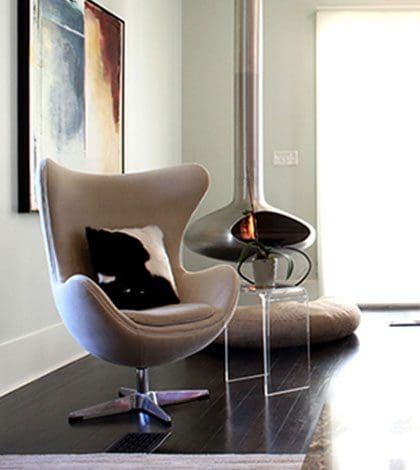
point(132, 266)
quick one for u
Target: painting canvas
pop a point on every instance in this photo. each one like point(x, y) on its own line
point(71, 107)
point(103, 88)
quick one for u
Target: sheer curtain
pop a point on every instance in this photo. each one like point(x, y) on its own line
point(368, 139)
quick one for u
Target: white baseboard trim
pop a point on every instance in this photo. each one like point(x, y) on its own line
point(29, 357)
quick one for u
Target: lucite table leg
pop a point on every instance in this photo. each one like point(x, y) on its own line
point(287, 371)
point(308, 342)
point(272, 386)
point(265, 307)
point(226, 333)
point(229, 376)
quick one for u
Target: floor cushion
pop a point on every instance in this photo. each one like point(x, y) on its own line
point(330, 319)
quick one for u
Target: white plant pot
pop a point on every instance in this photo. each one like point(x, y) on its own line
point(265, 272)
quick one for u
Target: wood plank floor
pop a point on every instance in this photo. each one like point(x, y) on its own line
point(236, 418)
point(371, 419)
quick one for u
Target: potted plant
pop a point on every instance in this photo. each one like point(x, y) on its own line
point(265, 258)
point(264, 263)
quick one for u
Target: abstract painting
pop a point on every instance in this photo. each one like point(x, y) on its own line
point(71, 65)
point(103, 39)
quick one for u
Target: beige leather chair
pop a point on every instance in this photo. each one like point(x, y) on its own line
point(68, 202)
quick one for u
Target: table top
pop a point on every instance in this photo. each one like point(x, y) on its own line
point(278, 291)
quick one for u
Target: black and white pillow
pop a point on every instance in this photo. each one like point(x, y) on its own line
point(132, 266)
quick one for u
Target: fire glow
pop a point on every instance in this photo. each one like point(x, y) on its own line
point(248, 229)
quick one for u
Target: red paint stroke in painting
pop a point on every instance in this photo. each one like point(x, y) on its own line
point(111, 50)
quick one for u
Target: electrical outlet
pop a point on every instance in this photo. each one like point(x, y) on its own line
point(286, 158)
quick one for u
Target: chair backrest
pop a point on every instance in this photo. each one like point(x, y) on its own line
point(70, 201)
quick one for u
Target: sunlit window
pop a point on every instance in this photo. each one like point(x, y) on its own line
point(368, 134)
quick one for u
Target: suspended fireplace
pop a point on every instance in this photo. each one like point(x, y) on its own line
point(221, 234)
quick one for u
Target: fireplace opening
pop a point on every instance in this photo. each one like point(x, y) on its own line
point(276, 230)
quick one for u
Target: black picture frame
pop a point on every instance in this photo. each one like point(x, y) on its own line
point(23, 106)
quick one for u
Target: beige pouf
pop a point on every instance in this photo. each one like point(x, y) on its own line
point(330, 319)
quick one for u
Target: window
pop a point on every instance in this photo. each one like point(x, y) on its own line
point(368, 134)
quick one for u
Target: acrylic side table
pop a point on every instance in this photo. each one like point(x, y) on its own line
point(284, 370)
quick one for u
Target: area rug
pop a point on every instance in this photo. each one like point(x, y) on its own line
point(154, 461)
point(319, 455)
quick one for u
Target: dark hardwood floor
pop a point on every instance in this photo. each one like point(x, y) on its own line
point(236, 418)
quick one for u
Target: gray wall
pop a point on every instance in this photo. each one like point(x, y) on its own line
point(289, 99)
point(33, 340)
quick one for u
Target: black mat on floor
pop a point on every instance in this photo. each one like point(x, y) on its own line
point(134, 442)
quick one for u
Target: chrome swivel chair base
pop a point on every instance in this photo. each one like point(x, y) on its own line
point(140, 400)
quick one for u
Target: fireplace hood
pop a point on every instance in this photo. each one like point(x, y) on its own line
point(217, 235)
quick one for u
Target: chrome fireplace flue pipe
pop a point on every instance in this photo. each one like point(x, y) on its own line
point(248, 183)
point(212, 235)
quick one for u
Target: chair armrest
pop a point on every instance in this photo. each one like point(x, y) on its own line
point(217, 286)
point(93, 320)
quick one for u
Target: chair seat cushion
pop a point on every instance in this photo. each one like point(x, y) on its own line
point(179, 314)
point(132, 266)
point(330, 319)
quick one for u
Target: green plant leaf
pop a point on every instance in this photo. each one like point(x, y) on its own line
point(290, 266)
point(247, 250)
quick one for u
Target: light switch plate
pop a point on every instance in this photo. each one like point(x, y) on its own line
point(286, 158)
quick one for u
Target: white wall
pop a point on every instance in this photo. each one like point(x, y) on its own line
point(153, 82)
point(289, 99)
point(33, 340)
point(207, 100)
